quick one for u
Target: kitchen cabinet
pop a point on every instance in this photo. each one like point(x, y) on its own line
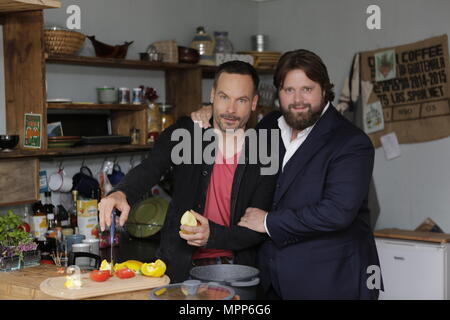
point(416, 269)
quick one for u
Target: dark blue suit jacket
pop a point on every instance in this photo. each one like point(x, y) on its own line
point(321, 242)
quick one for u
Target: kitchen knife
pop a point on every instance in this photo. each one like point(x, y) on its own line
point(112, 231)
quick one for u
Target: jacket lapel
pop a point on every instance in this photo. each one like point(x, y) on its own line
point(315, 141)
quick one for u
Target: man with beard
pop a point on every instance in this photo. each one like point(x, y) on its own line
point(218, 189)
point(321, 245)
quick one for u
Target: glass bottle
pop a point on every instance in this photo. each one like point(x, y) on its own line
point(38, 221)
point(166, 116)
point(153, 122)
point(223, 44)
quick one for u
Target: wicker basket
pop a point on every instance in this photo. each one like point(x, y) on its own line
point(63, 41)
point(169, 50)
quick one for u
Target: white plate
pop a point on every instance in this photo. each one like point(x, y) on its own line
point(59, 100)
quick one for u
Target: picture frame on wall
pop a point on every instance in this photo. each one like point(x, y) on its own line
point(32, 131)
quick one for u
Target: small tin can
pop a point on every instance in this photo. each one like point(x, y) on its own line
point(124, 96)
point(138, 96)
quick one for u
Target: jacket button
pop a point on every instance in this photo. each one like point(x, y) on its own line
point(278, 185)
point(204, 173)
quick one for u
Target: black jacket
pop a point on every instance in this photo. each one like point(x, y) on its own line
point(250, 189)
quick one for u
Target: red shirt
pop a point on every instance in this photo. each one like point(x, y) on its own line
point(218, 197)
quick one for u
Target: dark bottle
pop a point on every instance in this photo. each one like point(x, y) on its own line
point(38, 209)
point(73, 212)
point(48, 206)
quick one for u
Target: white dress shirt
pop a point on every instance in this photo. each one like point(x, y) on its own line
point(292, 145)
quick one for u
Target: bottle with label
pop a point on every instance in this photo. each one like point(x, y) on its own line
point(38, 221)
point(63, 217)
point(51, 226)
point(154, 122)
point(73, 212)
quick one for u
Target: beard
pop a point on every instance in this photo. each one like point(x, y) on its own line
point(223, 127)
point(301, 121)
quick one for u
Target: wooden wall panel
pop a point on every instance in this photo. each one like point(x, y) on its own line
point(184, 91)
point(24, 70)
point(19, 181)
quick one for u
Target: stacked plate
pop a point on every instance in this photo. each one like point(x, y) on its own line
point(264, 59)
point(63, 142)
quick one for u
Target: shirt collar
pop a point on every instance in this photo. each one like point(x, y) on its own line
point(285, 128)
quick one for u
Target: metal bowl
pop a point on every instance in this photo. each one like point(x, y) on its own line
point(8, 141)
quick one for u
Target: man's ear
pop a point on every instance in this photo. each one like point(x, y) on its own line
point(255, 102)
point(211, 96)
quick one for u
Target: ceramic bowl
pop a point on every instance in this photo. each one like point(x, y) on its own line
point(8, 141)
point(188, 55)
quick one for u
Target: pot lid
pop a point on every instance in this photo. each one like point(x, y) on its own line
point(147, 217)
point(198, 291)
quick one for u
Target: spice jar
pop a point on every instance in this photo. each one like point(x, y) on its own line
point(166, 116)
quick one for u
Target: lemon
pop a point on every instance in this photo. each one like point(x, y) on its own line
point(160, 291)
point(69, 283)
point(188, 219)
point(154, 269)
point(105, 265)
point(72, 283)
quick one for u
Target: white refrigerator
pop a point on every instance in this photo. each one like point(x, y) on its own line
point(414, 270)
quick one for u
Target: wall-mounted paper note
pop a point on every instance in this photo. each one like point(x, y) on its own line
point(390, 145)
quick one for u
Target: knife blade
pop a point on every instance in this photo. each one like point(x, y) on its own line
point(112, 231)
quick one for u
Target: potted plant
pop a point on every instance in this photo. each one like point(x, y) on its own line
point(16, 245)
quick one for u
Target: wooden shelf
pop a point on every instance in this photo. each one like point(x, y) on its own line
point(95, 106)
point(75, 151)
point(117, 63)
point(207, 71)
point(8, 6)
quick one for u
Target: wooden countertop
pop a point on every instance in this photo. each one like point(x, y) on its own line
point(24, 285)
point(394, 233)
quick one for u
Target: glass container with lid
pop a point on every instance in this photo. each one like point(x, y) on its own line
point(167, 118)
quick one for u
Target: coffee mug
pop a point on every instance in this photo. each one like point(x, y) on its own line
point(60, 182)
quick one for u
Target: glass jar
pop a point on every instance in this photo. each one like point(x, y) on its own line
point(223, 44)
point(153, 122)
point(166, 116)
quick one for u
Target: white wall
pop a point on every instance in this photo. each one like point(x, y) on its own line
point(417, 184)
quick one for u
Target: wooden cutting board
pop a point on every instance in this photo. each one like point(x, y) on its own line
point(55, 286)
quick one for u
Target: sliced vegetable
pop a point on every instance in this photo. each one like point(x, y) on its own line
point(154, 269)
point(100, 275)
point(125, 273)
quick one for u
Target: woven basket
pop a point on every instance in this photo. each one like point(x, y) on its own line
point(169, 50)
point(63, 41)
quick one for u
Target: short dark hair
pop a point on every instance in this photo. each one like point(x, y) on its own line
point(310, 63)
point(238, 67)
